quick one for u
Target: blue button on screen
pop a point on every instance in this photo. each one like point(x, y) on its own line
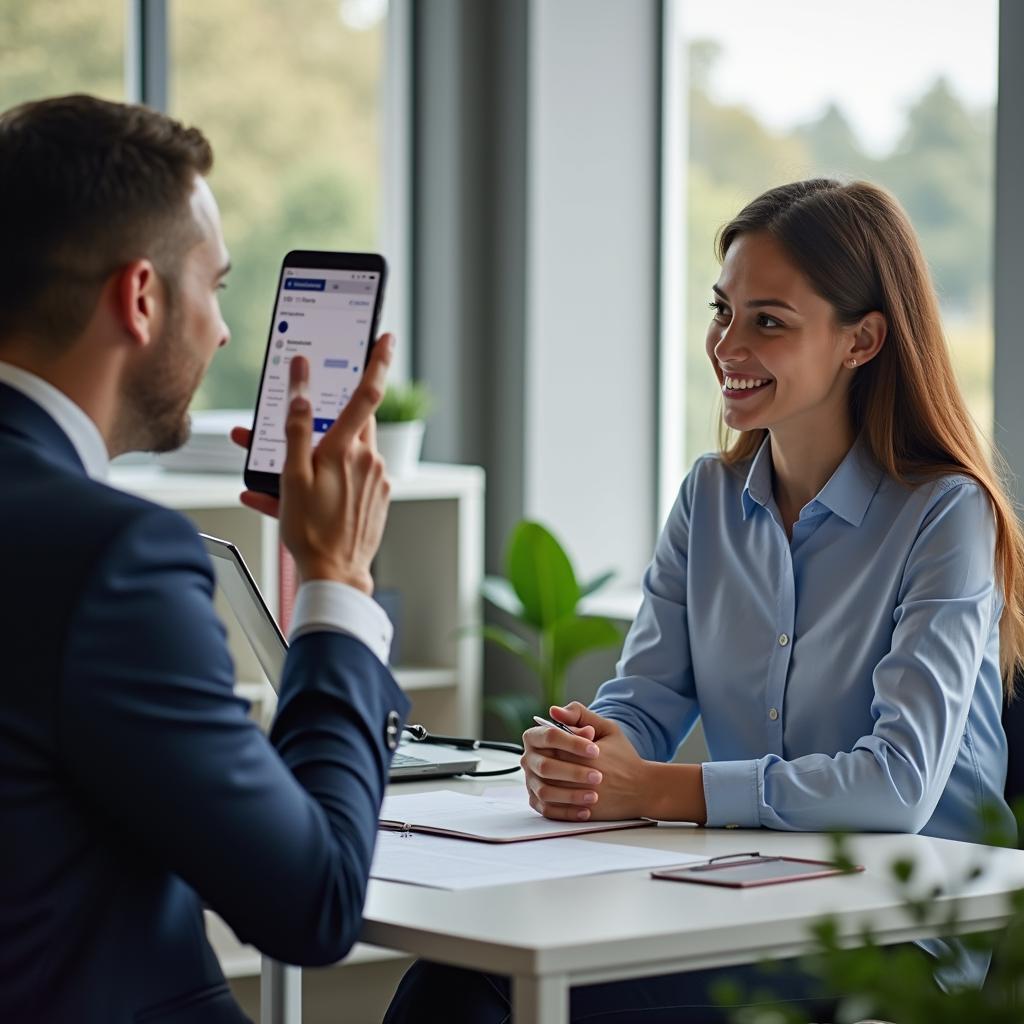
point(305, 284)
point(321, 426)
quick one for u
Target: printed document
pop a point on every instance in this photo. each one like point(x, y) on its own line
point(442, 863)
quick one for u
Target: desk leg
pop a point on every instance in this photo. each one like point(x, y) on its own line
point(540, 1000)
point(280, 993)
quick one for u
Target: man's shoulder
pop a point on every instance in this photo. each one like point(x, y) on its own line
point(66, 519)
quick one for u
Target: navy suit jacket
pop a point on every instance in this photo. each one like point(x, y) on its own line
point(134, 788)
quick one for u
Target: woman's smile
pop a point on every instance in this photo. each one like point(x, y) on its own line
point(739, 388)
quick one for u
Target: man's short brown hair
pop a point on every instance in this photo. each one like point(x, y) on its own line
point(87, 186)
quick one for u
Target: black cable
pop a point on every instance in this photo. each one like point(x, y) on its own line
point(419, 734)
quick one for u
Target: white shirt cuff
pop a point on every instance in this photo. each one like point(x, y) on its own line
point(336, 607)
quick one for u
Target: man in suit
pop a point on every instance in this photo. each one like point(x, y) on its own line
point(134, 788)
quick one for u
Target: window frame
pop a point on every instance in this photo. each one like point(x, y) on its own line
point(1008, 226)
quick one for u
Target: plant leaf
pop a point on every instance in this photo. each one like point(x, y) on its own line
point(516, 711)
point(541, 574)
point(501, 594)
point(405, 402)
point(574, 636)
point(514, 644)
point(597, 583)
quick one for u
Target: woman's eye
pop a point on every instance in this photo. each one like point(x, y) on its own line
point(764, 320)
point(718, 307)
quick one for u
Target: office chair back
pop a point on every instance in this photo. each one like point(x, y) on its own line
point(1013, 724)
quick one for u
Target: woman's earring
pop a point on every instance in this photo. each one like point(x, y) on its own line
point(851, 363)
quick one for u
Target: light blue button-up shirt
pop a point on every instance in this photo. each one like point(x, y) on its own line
point(847, 679)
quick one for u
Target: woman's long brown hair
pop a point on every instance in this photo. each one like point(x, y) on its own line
point(856, 246)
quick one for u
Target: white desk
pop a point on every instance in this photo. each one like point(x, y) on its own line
point(554, 934)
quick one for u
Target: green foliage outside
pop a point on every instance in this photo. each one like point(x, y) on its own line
point(541, 592)
point(405, 402)
point(941, 169)
point(287, 95)
point(899, 983)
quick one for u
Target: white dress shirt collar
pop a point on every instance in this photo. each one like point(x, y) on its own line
point(83, 434)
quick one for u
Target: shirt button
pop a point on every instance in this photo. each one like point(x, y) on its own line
point(773, 714)
point(783, 640)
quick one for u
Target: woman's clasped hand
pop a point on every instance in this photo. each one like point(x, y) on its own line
point(595, 773)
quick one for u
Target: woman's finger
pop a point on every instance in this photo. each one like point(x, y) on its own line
point(547, 737)
point(552, 769)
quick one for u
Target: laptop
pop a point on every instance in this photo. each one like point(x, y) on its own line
point(411, 760)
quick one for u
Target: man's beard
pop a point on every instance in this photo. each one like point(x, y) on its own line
point(158, 393)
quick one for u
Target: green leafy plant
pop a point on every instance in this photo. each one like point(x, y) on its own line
point(405, 402)
point(899, 984)
point(541, 592)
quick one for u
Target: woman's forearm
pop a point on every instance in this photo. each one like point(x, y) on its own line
point(675, 792)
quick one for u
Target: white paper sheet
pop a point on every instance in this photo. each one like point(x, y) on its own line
point(442, 863)
point(484, 816)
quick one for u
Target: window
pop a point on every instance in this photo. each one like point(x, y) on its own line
point(289, 96)
point(61, 46)
point(800, 89)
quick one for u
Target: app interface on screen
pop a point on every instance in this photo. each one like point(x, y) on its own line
point(324, 315)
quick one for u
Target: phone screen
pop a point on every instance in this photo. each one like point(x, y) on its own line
point(327, 315)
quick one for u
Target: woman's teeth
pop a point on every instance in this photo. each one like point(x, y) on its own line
point(744, 383)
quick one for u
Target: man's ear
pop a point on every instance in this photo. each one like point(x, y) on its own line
point(139, 300)
point(867, 338)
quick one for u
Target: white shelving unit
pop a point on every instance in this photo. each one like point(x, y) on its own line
point(432, 554)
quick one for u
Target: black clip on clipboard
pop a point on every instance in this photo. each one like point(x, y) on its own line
point(754, 870)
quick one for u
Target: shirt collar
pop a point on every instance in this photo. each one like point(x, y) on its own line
point(758, 488)
point(83, 434)
point(847, 494)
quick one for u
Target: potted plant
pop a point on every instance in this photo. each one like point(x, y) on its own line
point(400, 426)
point(540, 591)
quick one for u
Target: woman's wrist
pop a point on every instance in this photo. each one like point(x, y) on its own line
point(675, 792)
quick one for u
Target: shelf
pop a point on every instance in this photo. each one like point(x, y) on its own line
point(221, 490)
point(416, 678)
point(412, 677)
point(179, 490)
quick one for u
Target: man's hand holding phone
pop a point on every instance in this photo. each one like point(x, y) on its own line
point(334, 496)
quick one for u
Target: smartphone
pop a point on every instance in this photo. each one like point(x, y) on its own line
point(327, 309)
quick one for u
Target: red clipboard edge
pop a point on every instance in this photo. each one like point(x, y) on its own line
point(676, 874)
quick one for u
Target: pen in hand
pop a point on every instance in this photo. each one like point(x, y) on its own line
point(558, 725)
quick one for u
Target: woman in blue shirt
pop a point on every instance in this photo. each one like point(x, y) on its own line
point(838, 593)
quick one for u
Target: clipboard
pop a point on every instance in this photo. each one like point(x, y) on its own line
point(748, 870)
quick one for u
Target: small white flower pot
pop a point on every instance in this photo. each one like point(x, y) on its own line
point(400, 445)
